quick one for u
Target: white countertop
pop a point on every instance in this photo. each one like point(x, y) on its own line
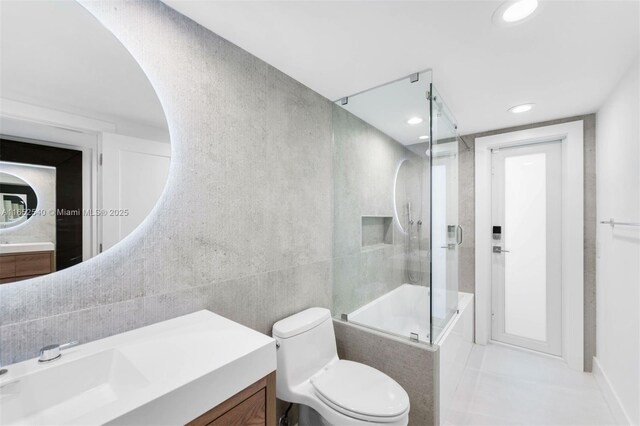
point(26, 247)
point(166, 373)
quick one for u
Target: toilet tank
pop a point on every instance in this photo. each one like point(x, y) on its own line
point(306, 343)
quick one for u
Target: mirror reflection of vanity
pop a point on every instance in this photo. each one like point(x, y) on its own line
point(84, 144)
point(23, 258)
point(17, 200)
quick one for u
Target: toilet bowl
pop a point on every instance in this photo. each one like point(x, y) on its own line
point(331, 391)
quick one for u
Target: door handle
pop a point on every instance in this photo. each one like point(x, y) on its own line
point(498, 249)
point(460, 235)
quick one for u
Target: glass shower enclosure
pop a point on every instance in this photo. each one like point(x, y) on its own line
point(395, 210)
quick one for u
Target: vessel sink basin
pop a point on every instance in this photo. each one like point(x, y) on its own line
point(69, 390)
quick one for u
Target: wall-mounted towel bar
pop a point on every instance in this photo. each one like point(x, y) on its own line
point(613, 223)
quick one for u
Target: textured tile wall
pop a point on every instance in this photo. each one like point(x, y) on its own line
point(364, 165)
point(466, 216)
point(256, 245)
point(467, 201)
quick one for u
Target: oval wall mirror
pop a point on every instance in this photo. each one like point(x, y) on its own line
point(18, 200)
point(79, 121)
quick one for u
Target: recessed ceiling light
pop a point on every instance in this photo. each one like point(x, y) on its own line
point(521, 108)
point(514, 11)
point(424, 137)
point(414, 120)
point(519, 10)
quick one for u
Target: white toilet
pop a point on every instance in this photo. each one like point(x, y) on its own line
point(331, 391)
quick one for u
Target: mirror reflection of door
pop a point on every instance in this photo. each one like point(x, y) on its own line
point(526, 258)
point(74, 102)
point(134, 171)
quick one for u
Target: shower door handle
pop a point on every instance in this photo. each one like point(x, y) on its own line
point(460, 235)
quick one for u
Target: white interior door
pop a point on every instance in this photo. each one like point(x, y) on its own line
point(134, 172)
point(526, 246)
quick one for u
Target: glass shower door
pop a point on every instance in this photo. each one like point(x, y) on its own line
point(446, 234)
point(381, 234)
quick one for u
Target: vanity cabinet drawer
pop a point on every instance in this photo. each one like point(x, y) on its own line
point(250, 412)
point(7, 266)
point(254, 406)
point(33, 264)
point(21, 266)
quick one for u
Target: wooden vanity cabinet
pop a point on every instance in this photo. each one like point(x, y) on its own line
point(253, 406)
point(20, 266)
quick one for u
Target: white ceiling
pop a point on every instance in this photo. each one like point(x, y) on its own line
point(56, 54)
point(389, 107)
point(566, 59)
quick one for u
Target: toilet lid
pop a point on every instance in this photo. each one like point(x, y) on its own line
point(359, 390)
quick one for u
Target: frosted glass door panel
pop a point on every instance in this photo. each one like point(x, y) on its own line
point(525, 217)
point(526, 281)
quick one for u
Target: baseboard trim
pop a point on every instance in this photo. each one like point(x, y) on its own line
point(610, 395)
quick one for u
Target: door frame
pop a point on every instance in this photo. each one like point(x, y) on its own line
point(47, 126)
point(571, 136)
point(551, 154)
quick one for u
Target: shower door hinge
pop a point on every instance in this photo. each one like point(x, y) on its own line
point(100, 248)
point(414, 77)
point(344, 317)
point(428, 95)
point(414, 337)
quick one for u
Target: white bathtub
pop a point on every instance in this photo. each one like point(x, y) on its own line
point(402, 311)
point(405, 310)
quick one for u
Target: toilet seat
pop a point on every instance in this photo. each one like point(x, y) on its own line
point(361, 392)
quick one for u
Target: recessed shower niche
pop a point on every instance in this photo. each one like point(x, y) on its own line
point(377, 230)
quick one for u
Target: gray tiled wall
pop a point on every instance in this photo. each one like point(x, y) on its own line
point(467, 220)
point(255, 245)
point(364, 168)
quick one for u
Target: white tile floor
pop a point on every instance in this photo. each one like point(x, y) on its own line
point(507, 386)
